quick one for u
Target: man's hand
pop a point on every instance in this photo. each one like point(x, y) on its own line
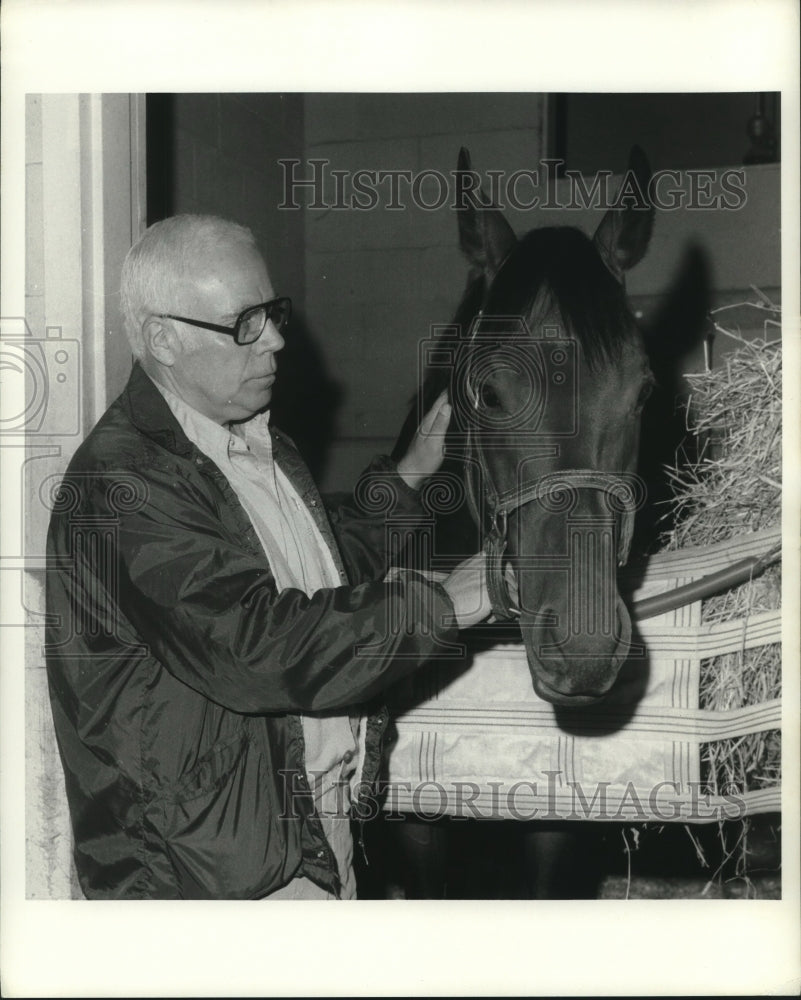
point(427, 449)
point(466, 586)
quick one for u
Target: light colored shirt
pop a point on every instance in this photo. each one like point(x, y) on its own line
point(299, 558)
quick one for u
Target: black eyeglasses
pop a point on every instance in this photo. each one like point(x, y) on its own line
point(250, 323)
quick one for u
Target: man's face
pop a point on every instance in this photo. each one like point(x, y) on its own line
point(218, 377)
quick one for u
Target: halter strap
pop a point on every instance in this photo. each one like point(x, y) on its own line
point(623, 492)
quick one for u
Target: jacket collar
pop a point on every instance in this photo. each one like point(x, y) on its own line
point(150, 414)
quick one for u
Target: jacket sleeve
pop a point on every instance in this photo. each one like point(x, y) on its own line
point(209, 610)
point(373, 524)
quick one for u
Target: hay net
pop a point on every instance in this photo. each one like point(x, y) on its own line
point(732, 489)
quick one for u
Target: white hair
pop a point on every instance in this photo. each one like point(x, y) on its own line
point(165, 256)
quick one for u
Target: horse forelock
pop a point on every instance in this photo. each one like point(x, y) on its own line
point(558, 271)
point(553, 271)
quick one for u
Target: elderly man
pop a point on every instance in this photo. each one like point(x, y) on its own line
point(214, 628)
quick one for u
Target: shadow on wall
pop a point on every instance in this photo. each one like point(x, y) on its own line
point(673, 332)
point(305, 398)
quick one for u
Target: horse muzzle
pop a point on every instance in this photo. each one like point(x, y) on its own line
point(573, 665)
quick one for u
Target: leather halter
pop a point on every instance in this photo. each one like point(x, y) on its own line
point(623, 493)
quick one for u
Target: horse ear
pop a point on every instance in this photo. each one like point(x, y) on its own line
point(485, 237)
point(624, 233)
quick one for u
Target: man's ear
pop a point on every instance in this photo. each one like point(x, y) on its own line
point(161, 340)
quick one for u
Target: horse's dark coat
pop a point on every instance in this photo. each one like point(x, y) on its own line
point(553, 279)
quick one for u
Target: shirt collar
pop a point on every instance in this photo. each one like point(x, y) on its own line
point(219, 441)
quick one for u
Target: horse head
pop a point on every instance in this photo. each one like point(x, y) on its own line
point(551, 381)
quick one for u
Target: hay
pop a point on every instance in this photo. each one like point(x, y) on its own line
point(732, 488)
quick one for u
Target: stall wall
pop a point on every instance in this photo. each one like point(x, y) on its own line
point(217, 154)
point(380, 280)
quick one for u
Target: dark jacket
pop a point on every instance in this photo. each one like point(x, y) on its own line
point(176, 668)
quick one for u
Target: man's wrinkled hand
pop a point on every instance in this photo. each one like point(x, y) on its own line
point(466, 586)
point(427, 449)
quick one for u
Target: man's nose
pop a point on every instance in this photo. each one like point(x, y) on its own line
point(270, 340)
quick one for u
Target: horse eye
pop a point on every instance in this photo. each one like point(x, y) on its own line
point(489, 397)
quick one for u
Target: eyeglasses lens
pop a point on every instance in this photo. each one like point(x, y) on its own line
point(279, 312)
point(252, 323)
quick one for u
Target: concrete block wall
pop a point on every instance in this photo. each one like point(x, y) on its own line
point(378, 279)
point(224, 153)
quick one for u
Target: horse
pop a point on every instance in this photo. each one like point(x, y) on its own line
point(547, 373)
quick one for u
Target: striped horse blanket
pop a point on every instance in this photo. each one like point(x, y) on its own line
point(473, 739)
